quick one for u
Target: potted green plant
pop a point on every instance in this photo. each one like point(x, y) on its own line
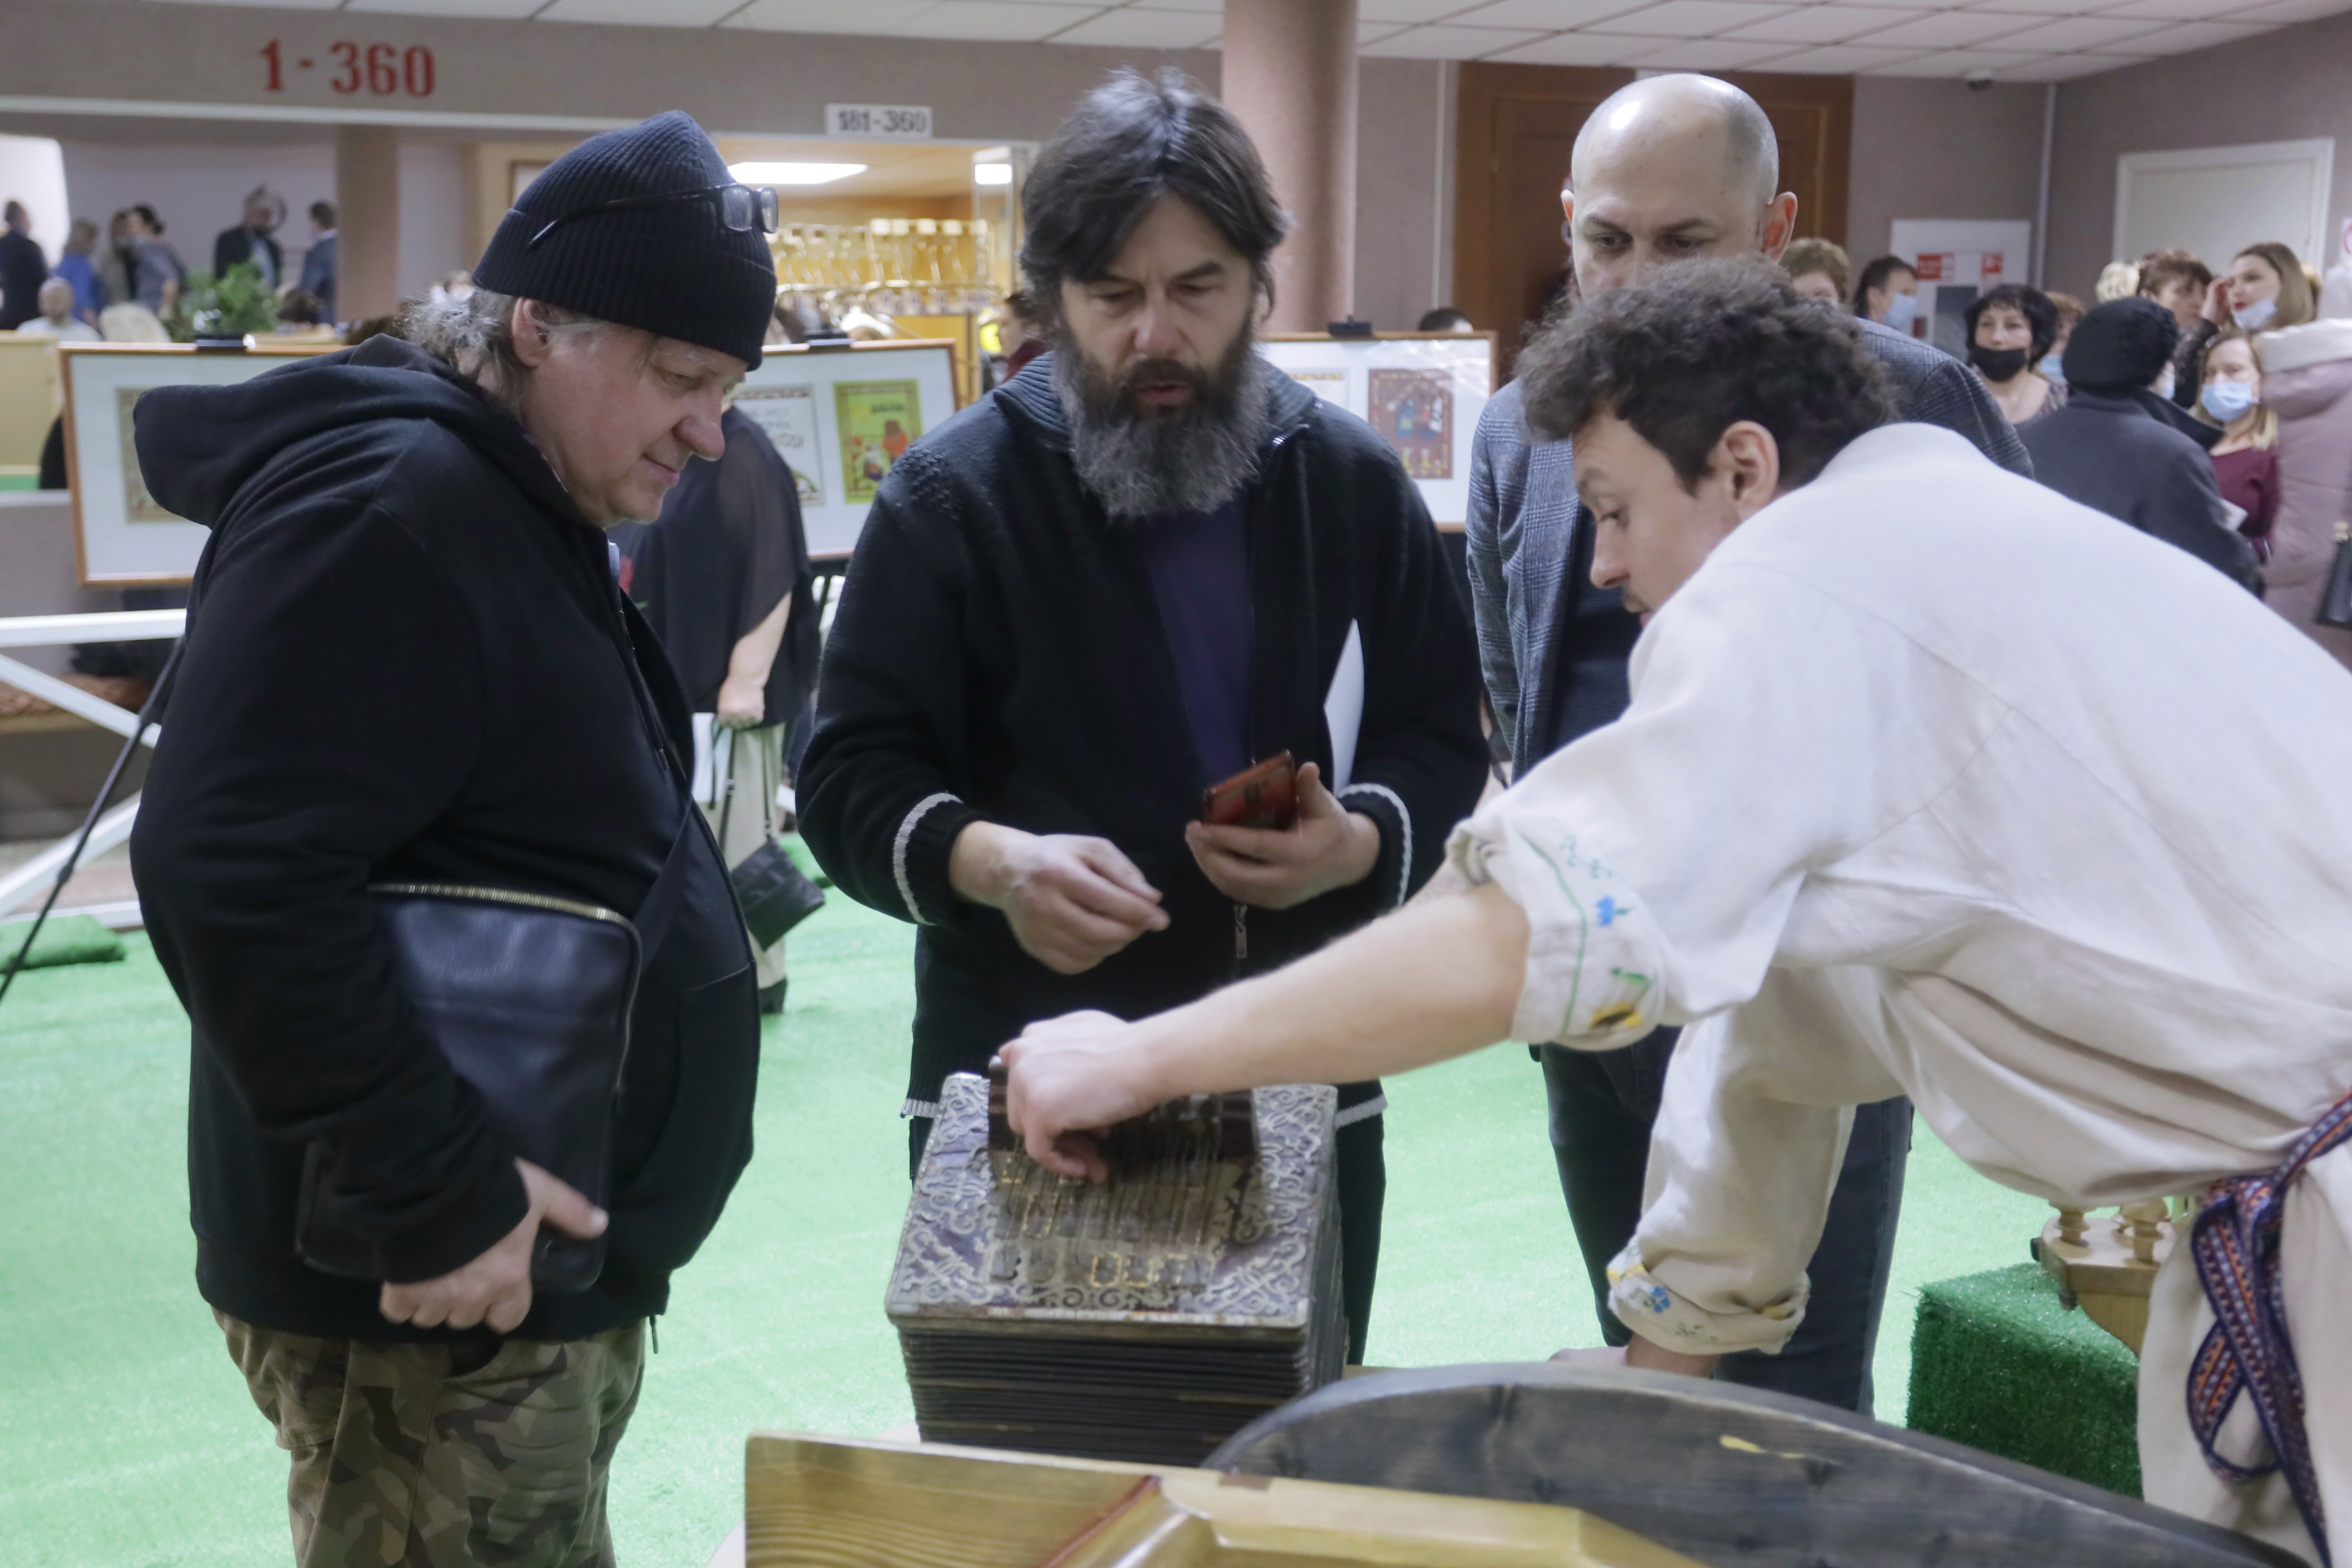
point(222, 311)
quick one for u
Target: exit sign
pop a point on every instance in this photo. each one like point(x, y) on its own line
point(879, 121)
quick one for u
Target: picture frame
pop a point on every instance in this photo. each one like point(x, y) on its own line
point(1423, 392)
point(841, 415)
point(122, 537)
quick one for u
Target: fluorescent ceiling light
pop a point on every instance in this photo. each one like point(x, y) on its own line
point(992, 173)
point(793, 174)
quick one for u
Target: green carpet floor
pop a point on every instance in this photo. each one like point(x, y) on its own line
point(127, 1439)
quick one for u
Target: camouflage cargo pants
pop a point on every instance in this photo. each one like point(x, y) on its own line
point(441, 1455)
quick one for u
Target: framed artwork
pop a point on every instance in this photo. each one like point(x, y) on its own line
point(842, 417)
point(1423, 392)
point(121, 535)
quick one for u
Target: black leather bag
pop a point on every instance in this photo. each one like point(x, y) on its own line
point(776, 893)
point(2336, 600)
point(529, 998)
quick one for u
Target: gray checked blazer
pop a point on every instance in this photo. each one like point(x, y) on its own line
point(1525, 523)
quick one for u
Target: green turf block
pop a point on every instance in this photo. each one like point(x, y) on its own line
point(1997, 1363)
point(799, 850)
point(74, 939)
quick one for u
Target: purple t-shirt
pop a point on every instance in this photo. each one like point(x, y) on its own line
point(1199, 564)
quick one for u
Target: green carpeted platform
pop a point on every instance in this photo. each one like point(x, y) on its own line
point(127, 1439)
point(1997, 1363)
point(74, 939)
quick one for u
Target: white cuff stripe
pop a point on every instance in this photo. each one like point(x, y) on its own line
point(899, 852)
point(1363, 1112)
point(1404, 861)
point(929, 1108)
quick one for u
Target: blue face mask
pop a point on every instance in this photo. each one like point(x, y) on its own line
point(2054, 368)
point(2227, 400)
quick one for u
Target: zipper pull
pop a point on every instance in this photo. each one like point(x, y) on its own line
point(1240, 933)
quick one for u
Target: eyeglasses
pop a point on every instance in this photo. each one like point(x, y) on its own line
point(741, 208)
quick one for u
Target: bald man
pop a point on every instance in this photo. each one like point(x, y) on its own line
point(1667, 169)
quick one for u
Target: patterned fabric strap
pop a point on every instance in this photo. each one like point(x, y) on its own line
point(2248, 1351)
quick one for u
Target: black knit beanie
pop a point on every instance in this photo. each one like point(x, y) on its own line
point(2121, 346)
point(673, 268)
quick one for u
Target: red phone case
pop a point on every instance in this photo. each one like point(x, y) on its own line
point(1263, 796)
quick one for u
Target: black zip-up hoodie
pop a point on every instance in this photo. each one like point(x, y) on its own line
point(407, 659)
point(999, 656)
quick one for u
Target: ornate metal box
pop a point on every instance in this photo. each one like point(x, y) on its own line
point(1147, 1319)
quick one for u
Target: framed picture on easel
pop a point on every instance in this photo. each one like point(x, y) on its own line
point(122, 536)
point(841, 416)
point(1422, 391)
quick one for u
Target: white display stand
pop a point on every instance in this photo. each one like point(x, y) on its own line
point(830, 413)
point(120, 536)
point(1422, 391)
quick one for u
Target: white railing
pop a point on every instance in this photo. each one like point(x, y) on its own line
point(24, 883)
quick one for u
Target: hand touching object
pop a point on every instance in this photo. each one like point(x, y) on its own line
point(495, 1289)
point(1328, 848)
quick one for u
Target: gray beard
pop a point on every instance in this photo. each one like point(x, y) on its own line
point(1144, 465)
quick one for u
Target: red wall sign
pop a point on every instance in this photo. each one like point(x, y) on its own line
point(377, 70)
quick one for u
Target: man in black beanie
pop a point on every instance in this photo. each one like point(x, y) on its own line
point(407, 661)
point(2115, 447)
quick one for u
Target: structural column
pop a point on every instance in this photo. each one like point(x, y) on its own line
point(1290, 77)
point(367, 203)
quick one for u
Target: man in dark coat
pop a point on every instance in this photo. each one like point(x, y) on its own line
point(255, 240)
point(22, 268)
point(407, 660)
point(1146, 563)
point(2113, 447)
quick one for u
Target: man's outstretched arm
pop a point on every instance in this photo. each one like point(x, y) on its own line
point(1433, 982)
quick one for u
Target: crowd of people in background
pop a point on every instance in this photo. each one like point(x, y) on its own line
point(2154, 412)
point(127, 289)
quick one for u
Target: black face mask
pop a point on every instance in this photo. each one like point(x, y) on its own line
point(1998, 364)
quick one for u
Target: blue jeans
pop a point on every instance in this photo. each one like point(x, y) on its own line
point(1602, 1104)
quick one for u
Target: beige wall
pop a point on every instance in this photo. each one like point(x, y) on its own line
point(2278, 87)
point(1924, 148)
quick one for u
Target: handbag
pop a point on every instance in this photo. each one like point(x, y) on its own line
point(530, 998)
point(2336, 600)
point(774, 893)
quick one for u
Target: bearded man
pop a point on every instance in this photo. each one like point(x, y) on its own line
point(1142, 564)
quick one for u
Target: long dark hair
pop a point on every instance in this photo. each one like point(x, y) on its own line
point(1132, 140)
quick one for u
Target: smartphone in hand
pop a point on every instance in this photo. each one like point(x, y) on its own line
point(1263, 795)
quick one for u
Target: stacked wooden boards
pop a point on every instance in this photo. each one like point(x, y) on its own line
point(1146, 1319)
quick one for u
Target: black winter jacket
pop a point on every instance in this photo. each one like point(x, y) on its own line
point(407, 659)
point(2117, 454)
point(999, 656)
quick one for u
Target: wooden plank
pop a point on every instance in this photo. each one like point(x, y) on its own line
point(1726, 1474)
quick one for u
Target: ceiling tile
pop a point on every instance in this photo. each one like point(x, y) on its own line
point(1373, 32)
point(1842, 60)
point(995, 20)
point(2063, 67)
point(2183, 10)
point(1689, 19)
point(1578, 49)
point(1820, 24)
point(1550, 15)
point(1213, 7)
point(828, 15)
point(1951, 30)
point(2042, 7)
point(1709, 55)
point(2109, 33)
point(640, 13)
point(2190, 36)
point(2293, 11)
point(1954, 64)
point(282, 5)
point(1135, 27)
point(480, 8)
point(1450, 43)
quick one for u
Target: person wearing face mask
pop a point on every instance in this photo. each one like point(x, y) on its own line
point(2113, 447)
point(1888, 293)
point(2265, 289)
point(2245, 460)
point(2011, 330)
